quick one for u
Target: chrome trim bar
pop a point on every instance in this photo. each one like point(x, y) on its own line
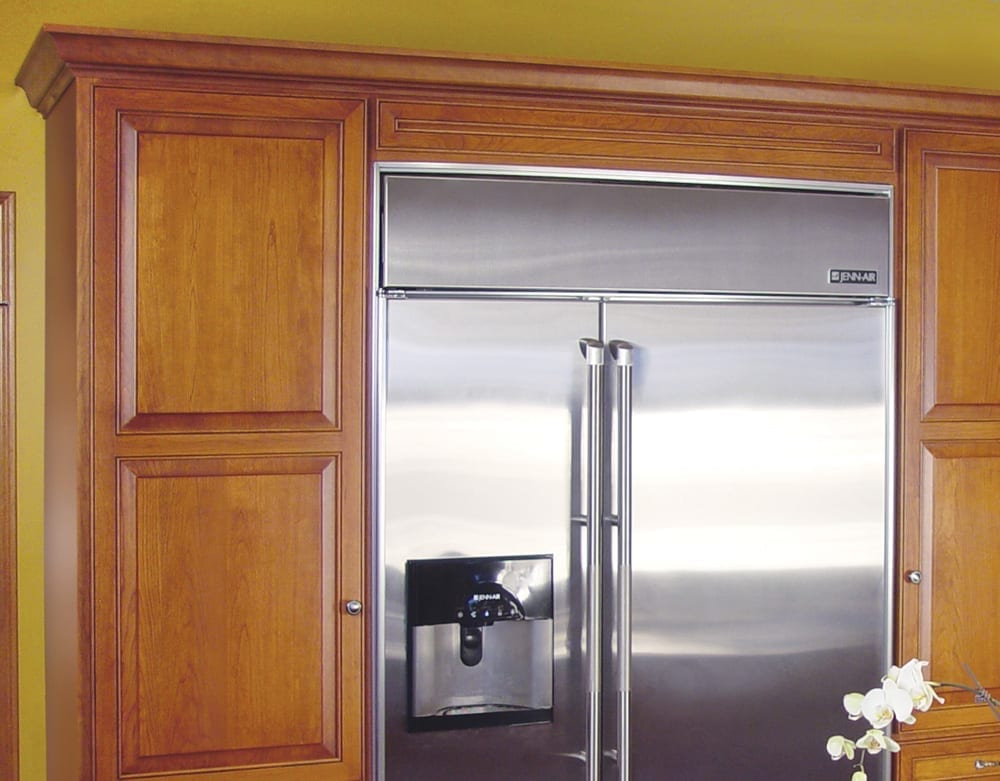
point(593, 353)
point(667, 297)
point(621, 353)
point(629, 175)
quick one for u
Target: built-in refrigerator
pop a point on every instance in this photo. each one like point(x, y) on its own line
point(633, 473)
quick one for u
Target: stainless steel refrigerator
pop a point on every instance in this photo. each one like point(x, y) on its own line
point(634, 480)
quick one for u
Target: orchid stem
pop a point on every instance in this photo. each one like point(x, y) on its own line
point(982, 695)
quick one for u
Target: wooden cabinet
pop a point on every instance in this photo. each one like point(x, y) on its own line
point(207, 363)
point(207, 262)
point(950, 463)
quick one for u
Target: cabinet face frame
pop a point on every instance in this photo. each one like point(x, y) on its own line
point(8, 501)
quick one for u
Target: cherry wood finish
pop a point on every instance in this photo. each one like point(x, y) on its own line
point(68, 447)
point(209, 202)
point(231, 636)
point(8, 505)
point(686, 139)
point(208, 265)
point(951, 431)
point(955, 760)
point(223, 192)
point(227, 303)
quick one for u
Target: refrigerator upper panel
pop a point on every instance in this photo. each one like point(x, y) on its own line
point(512, 232)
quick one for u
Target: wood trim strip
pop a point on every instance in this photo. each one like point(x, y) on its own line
point(629, 136)
point(8, 504)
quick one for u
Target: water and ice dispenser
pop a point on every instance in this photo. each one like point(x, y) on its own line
point(479, 641)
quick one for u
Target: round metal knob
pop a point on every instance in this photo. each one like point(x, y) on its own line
point(914, 576)
point(353, 607)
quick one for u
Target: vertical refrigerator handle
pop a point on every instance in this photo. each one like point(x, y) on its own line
point(622, 353)
point(593, 353)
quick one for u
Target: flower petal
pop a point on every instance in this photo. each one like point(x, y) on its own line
point(873, 741)
point(876, 708)
point(838, 746)
point(898, 699)
point(852, 704)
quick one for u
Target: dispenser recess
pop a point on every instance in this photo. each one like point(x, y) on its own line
point(479, 641)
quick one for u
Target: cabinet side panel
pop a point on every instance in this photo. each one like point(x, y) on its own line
point(67, 576)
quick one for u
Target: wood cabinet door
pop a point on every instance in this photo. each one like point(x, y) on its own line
point(228, 348)
point(950, 535)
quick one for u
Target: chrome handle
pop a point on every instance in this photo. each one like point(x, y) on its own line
point(982, 764)
point(914, 576)
point(353, 607)
point(621, 352)
point(593, 351)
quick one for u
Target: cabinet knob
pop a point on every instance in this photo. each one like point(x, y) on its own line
point(353, 607)
point(914, 576)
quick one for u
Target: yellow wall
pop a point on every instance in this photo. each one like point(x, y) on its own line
point(916, 41)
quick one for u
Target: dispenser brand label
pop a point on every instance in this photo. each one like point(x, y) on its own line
point(843, 276)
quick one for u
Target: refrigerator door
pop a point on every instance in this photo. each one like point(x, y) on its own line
point(759, 463)
point(483, 455)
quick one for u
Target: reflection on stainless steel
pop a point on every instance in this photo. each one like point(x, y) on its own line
point(486, 707)
point(759, 445)
point(622, 353)
point(593, 353)
point(517, 233)
point(517, 662)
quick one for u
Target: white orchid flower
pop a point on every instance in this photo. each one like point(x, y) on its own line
point(838, 746)
point(874, 741)
point(881, 706)
point(852, 704)
point(859, 775)
point(910, 678)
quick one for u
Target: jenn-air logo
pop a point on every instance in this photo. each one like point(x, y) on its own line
point(841, 276)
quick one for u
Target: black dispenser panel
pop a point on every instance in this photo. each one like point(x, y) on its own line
point(479, 641)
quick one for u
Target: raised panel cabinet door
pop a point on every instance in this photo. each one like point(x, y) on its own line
point(953, 277)
point(231, 641)
point(955, 600)
point(236, 271)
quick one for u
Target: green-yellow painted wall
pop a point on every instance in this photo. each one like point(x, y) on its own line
point(942, 42)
